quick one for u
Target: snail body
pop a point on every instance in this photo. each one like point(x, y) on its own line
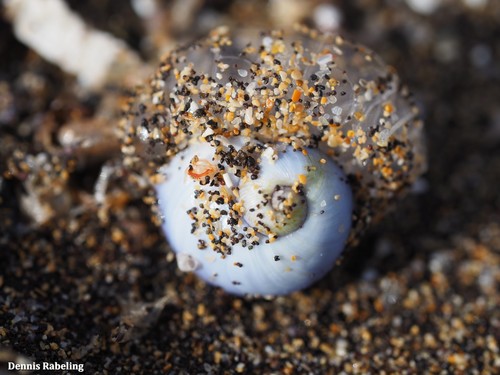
point(271, 153)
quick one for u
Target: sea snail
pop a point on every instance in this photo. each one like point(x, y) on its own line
point(270, 153)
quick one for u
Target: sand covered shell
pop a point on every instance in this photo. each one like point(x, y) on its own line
point(271, 152)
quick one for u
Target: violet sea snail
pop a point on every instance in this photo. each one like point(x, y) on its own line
point(270, 153)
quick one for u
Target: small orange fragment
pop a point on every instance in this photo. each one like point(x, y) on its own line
point(199, 168)
point(296, 95)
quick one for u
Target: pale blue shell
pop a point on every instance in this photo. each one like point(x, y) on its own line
point(293, 261)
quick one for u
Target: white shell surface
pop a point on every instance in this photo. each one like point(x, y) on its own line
point(292, 261)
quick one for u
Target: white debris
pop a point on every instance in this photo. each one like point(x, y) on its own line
point(424, 6)
point(270, 154)
point(337, 111)
point(143, 133)
point(267, 42)
point(62, 37)
point(156, 134)
point(208, 132)
point(249, 116)
point(251, 88)
point(327, 17)
point(186, 262)
point(193, 107)
point(101, 185)
point(324, 60)
point(342, 347)
point(227, 180)
point(144, 8)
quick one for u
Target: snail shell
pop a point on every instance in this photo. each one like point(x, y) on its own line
point(270, 235)
point(271, 153)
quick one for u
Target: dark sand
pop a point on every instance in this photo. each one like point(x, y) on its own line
point(420, 294)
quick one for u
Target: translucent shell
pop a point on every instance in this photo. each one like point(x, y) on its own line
point(229, 111)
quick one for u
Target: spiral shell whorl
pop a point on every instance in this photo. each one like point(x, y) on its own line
point(236, 237)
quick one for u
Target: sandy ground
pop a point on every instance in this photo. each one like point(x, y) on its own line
point(94, 283)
